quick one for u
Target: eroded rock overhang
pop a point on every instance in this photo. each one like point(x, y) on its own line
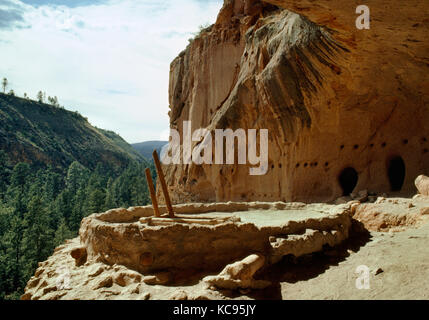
point(333, 98)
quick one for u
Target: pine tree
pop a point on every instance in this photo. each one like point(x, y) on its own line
point(4, 84)
point(18, 188)
point(76, 175)
point(3, 174)
point(13, 243)
point(64, 204)
point(19, 175)
point(3, 273)
point(63, 233)
point(40, 97)
point(53, 184)
point(78, 209)
point(97, 198)
point(111, 202)
point(37, 238)
point(5, 265)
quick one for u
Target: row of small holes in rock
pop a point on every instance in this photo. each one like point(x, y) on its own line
point(312, 164)
point(383, 145)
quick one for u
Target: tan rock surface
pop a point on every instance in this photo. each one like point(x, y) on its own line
point(422, 184)
point(393, 213)
point(332, 97)
point(240, 274)
point(403, 257)
point(128, 251)
point(204, 236)
point(330, 274)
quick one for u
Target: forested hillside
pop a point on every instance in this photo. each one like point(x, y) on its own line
point(40, 133)
point(55, 169)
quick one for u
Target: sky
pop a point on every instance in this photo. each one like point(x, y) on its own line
point(107, 59)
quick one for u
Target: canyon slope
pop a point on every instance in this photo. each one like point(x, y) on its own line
point(43, 134)
point(346, 109)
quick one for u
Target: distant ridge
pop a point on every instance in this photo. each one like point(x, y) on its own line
point(146, 148)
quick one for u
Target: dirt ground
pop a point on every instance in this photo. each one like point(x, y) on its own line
point(398, 264)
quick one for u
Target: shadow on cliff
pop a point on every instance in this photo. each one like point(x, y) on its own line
point(292, 270)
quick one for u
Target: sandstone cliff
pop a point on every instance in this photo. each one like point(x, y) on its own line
point(346, 109)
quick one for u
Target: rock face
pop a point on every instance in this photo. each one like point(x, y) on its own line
point(393, 214)
point(122, 253)
point(240, 274)
point(337, 101)
point(422, 184)
point(206, 237)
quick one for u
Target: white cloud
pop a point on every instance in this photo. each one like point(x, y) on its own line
point(109, 61)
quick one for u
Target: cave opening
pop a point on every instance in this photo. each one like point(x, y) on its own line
point(348, 180)
point(396, 173)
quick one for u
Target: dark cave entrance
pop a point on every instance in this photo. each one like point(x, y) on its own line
point(348, 180)
point(396, 173)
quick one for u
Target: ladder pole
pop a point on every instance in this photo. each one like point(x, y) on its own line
point(152, 192)
point(163, 184)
